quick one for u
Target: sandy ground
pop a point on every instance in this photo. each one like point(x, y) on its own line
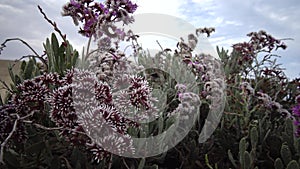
point(4, 75)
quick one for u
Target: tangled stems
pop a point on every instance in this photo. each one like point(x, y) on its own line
point(36, 55)
point(12, 132)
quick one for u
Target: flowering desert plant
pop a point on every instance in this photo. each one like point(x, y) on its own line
point(56, 108)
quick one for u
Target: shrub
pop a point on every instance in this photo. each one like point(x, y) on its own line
point(40, 127)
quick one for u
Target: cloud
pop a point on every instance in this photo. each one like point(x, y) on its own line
point(233, 19)
point(170, 7)
point(22, 19)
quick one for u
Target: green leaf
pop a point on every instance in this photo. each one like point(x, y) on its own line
point(160, 124)
point(1, 101)
point(248, 160)
point(297, 145)
point(68, 53)
point(17, 79)
point(29, 69)
point(22, 67)
point(293, 165)
point(253, 137)
point(230, 156)
point(242, 149)
point(11, 74)
point(278, 164)
point(253, 154)
point(55, 45)
point(142, 163)
point(289, 132)
point(50, 56)
point(289, 127)
point(75, 58)
point(286, 154)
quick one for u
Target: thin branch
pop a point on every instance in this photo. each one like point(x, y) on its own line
point(17, 39)
point(25, 117)
point(234, 114)
point(25, 121)
point(110, 161)
point(46, 128)
point(3, 120)
point(124, 162)
point(67, 162)
point(162, 49)
point(286, 39)
point(126, 48)
point(52, 128)
point(43, 127)
point(53, 24)
point(88, 48)
point(7, 138)
point(37, 56)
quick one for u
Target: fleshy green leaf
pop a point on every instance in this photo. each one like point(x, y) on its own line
point(230, 156)
point(286, 154)
point(293, 165)
point(278, 164)
point(142, 163)
point(254, 137)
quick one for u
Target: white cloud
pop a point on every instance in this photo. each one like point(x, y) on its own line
point(169, 7)
point(10, 8)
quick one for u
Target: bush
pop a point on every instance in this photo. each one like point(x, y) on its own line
point(41, 129)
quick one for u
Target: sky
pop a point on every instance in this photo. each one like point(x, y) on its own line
point(233, 19)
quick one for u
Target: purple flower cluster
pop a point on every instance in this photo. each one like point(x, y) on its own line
point(264, 41)
point(32, 94)
point(201, 66)
point(70, 111)
point(62, 113)
point(275, 72)
point(206, 68)
point(247, 89)
point(31, 97)
point(103, 93)
point(98, 152)
point(139, 92)
point(94, 15)
point(296, 114)
point(271, 105)
point(247, 51)
point(96, 112)
point(259, 42)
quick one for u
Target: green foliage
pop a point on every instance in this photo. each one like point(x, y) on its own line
point(60, 57)
point(249, 136)
point(286, 154)
point(292, 165)
point(278, 164)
